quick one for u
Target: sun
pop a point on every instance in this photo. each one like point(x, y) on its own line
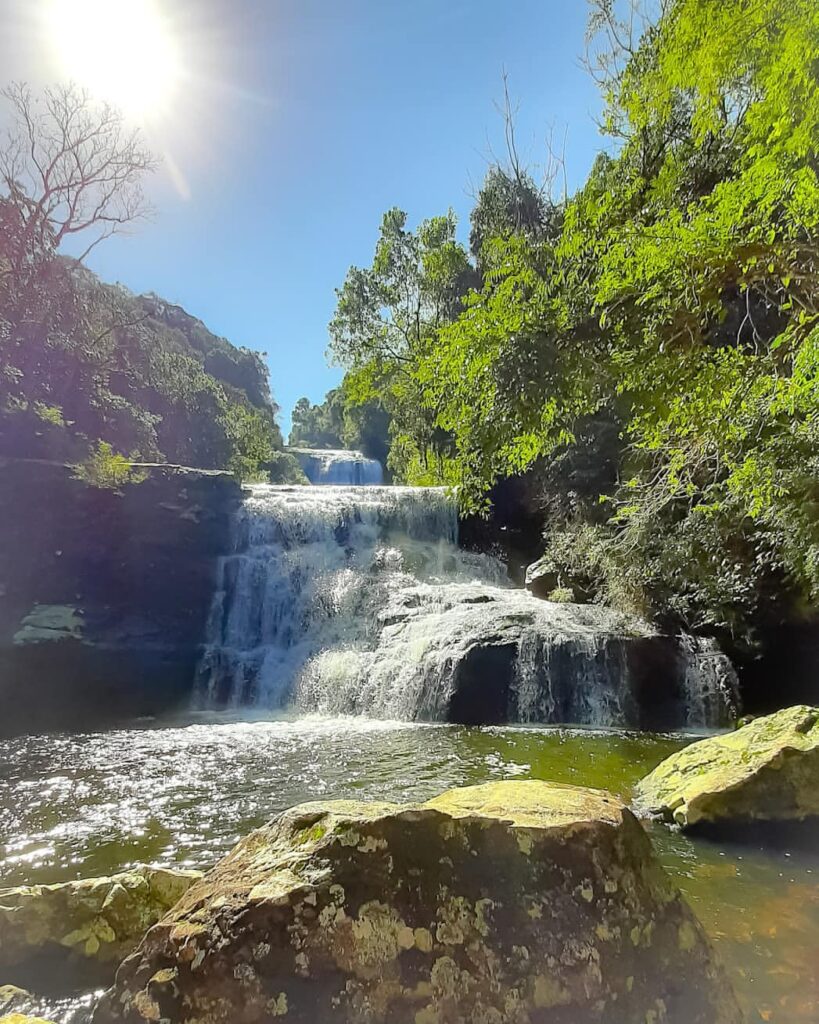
point(123, 51)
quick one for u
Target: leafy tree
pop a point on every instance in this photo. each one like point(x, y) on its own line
point(318, 426)
point(387, 317)
point(673, 299)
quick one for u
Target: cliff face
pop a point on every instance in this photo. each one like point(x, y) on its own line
point(104, 593)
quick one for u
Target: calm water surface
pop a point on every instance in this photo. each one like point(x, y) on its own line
point(183, 794)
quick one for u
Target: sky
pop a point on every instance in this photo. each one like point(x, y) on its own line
point(285, 129)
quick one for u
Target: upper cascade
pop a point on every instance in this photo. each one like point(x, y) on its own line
point(357, 600)
point(339, 467)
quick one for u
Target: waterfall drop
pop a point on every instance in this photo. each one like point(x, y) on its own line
point(357, 600)
point(339, 467)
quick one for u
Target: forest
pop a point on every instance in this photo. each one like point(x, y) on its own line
point(644, 353)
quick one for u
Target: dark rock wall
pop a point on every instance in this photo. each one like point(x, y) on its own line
point(104, 593)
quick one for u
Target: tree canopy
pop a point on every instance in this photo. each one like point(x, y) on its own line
point(674, 297)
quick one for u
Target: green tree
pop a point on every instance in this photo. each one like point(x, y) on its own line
point(387, 318)
point(679, 300)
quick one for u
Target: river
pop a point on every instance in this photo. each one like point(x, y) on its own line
point(182, 793)
point(346, 629)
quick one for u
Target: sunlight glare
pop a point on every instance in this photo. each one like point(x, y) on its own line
point(122, 51)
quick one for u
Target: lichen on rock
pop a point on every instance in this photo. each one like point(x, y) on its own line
point(95, 918)
point(437, 914)
point(768, 770)
point(13, 998)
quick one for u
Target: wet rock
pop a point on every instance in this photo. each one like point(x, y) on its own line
point(14, 999)
point(541, 577)
point(21, 1018)
point(768, 770)
point(47, 932)
point(473, 654)
point(49, 622)
point(104, 594)
point(508, 903)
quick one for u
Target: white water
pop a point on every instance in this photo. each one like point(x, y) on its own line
point(357, 600)
point(339, 467)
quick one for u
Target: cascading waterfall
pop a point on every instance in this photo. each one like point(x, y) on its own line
point(339, 467)
point(357, 600)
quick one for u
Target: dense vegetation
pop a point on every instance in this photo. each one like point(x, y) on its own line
point(647, 350)
point(339, 422)
point(89, 372)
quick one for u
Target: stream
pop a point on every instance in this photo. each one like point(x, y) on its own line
point(182, 793)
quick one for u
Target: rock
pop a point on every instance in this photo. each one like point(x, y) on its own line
point(21, 1018)
point(104, 594)
point(488, 655)
point(541, 577)
point(15, 999)
point(768, 770)
point(508, 903)
point(49, 622)
point(95, 919)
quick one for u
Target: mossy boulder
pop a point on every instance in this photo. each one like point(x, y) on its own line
point(768, 770)
point(508, 903)
point(98, 919)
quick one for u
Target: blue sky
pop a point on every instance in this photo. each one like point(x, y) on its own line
point(300, 122)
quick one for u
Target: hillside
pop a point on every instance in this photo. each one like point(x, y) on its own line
point(96, 364)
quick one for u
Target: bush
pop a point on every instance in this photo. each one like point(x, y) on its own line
point(107, 469)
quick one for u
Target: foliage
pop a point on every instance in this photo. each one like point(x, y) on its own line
point(387, 318)
point(318, 426)
point(510, 203)
point(84, 363)
point(283, 468)
point(343, 421)
point(104, 468)
point(674, 297)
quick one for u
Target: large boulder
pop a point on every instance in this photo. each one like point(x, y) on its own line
point(766, 771)
point(83, 928)
point(508, 903)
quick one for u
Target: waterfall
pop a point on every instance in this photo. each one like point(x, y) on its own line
point(357, 600)
point(338, 467)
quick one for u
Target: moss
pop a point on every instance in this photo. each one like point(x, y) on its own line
point(767, 770)
point(313, 834)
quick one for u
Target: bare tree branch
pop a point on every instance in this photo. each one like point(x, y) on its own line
point(71, 167)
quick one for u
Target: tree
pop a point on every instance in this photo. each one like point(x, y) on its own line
point(318, 426)
point(68, 169)
point(387, 317)
point(676, 301)
point(510, 203)
point(387, 312)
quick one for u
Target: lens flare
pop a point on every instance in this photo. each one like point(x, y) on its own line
point(123, 51)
